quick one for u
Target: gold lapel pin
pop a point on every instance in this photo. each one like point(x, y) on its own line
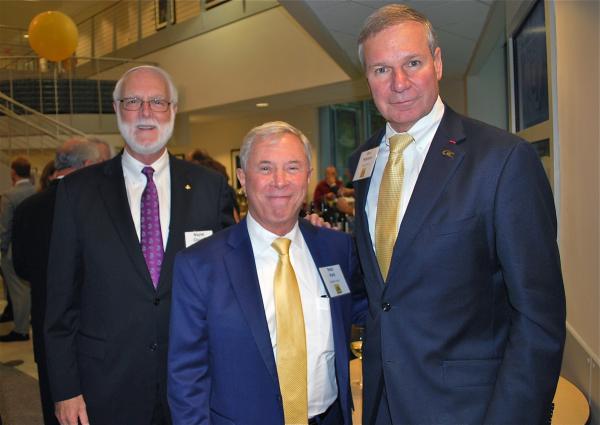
point(187, 187)
point(448, 153)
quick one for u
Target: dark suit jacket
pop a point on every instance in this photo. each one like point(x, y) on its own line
point(106, 325)
point(32, 227)
point(221, 364)
point(469, 327)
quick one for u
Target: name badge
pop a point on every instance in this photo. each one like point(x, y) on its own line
point(366, 163)
point(334, 280)
point(192, 237)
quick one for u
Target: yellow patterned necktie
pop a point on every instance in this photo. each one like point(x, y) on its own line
point(389, 201)
point(291, 338)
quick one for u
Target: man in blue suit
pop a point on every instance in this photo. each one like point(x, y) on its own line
point(456, 234)
point(232, 358)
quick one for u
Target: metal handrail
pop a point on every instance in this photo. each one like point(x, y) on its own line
point(66, 128)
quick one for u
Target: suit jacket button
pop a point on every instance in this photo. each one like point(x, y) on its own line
point(386, 307)
point(156, 301)
point(153, 346)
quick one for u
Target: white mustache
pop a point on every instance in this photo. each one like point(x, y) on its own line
point(146, 123)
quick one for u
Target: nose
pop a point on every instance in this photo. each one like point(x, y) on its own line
point(279, 178)
point(145, 109)
point(400, 81)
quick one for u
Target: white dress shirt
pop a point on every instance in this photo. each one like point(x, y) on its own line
point(414, 157)
point(322, 385)
point(135, 183)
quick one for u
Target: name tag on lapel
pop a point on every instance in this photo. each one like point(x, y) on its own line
point(195, 236)
point(334, 280)
point(366, 163)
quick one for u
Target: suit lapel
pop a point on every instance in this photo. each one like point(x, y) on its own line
point(114, 194)
point(438, 169)
point(321, 254)
point(362, 188)
point(241, 269)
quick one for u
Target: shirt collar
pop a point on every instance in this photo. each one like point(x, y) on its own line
point(421, 127)
point(262, 238)
point(134, 167)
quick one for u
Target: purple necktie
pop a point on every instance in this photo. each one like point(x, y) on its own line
point(152, 243)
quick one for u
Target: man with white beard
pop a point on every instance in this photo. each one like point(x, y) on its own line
point(116, 230)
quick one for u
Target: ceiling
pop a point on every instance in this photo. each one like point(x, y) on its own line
point(334, 24)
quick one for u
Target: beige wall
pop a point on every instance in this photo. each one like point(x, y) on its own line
point(578, 138)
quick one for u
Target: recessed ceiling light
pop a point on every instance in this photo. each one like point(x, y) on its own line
point(26, 36)
point(262, 105)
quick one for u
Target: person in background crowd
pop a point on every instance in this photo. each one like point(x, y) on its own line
point(117, 227)
point(47, 176)
point(327, 189)
point(200, 157)
point(19, 290)
point(32, 229)
point(456, 233)
point(254, 337)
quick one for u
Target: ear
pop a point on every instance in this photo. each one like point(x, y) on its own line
point(116, 106)
point(437, 63)
point(241, 177)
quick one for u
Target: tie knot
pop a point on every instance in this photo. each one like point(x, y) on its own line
point(282, 246)
point(148, 172)
point(399, 142)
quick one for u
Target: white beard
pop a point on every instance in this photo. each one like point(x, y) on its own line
point(128, 132)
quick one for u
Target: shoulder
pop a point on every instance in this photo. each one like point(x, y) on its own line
point(195, 171)
point(323, 235)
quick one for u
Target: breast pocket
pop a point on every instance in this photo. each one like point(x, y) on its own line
point(455, 226)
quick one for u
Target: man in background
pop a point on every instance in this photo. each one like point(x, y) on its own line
point(456, 232)
point(327, 189)
point(31, 247)
point(117, 227)
point(18, 289)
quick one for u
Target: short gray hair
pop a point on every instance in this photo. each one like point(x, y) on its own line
point(74, 153)
point(270, 129)
point(99, 142)
point(173, 95)
point(389, 16)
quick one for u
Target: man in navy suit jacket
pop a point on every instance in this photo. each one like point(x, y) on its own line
point(468, 323)
point(223, 338)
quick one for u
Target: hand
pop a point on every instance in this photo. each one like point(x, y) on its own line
point(69, 411)
point(343, 205)
point(317, 221)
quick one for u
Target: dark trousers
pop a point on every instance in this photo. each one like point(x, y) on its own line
point(332, 416)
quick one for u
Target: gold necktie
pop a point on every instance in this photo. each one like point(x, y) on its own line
point(291, 338)
point(388, 203)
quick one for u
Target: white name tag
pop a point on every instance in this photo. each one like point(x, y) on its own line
point(366, 163)
point(334, 280)
point(195, 236)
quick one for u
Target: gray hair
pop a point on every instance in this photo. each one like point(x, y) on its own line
point(270, 129)
point(74, 153)
point(389, 16)
point(99, 142)
point(173, 95)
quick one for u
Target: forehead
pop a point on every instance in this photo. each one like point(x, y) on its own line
point(408, 37)
point(144, 82)
point(278, 147)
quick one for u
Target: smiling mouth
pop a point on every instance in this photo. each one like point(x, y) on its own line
point(146, 127)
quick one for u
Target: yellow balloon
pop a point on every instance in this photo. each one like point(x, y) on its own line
point(53, 35)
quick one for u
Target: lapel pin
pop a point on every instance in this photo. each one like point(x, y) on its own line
point(451, 141)
point(448, 153)
point(187, 187)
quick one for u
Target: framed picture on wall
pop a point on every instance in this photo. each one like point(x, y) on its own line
point(164, 12)
point(235, 164)
point(531, 70)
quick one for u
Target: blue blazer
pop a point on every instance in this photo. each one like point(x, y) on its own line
point(221, 364)
point(469, 327)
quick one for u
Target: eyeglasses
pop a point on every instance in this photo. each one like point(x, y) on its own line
point(135, 104)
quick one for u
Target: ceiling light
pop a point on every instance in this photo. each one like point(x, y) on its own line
point(262, 105)
point(25, 35)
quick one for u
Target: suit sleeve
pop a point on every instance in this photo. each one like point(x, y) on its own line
point(359, 294)
point(6, 218)
point(525, 228)
point(19, 243)
point(188, 371)
point(62, 308)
